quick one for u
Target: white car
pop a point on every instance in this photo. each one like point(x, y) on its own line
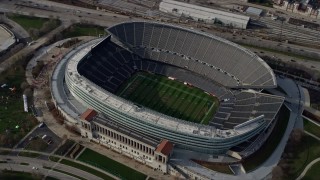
point(4, 85)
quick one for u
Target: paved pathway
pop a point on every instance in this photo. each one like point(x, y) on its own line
point(312, 135)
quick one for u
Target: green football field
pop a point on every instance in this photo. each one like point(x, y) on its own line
point(169, 97)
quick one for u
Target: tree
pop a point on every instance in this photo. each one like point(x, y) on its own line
point(277, 173)
point(24, 85)
point(28, 92)
point(34, 33)
point(296, 136)
point(65, 137)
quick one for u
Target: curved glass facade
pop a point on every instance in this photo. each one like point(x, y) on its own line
point(199, 143)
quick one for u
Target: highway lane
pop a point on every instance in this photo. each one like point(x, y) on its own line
point(65, 12)
point(28, 168)
point(13, 163)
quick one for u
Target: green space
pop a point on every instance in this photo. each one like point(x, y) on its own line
point(29, 154)
point(87, 169)
point(9, 175)
point(313, 173)
point(120, 170)
point(260, 156)
point(64, 172)
point(37, 144)
point(169, 97)
point(14, 122)
point(301, 155)
point(35, 26)
point(28, 22)
point(54, 158)
point(83, 30)
point(311, 127)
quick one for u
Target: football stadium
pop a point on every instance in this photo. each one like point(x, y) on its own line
point(199, 91)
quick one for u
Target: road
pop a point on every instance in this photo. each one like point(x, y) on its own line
point(13, 163)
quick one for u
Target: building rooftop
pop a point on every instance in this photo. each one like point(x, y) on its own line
point(125, 130)
point(205, 12)
point(165, 147)
point(88, 115)
point(254, 11)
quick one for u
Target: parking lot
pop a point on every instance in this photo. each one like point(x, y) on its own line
point(43, 135)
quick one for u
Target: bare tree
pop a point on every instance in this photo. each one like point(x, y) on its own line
point(296, 136)
point(34, 32)
point(28, 92)
point(277, 173)
point(24, 85)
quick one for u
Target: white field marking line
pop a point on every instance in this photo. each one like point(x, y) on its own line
point(165, 84)
point(207, 112)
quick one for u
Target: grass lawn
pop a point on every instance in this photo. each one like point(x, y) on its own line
point(259, 157)
point(170, 97)
point(35, 26)
point(12, 114)
point(54, 158)
point(311, 127)
point(85, 168)
point(313, 173)
point(37, 145)
point(307, 151)
point(28, 22)
point(83, 30)
point(122, 171)
point(9, 175)
point(29, 154)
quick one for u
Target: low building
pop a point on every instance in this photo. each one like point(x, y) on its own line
point(207, 15)
point(254, 11)
point(144, 149)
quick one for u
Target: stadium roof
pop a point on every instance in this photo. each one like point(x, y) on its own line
point(260, 75)
point(147, 115)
